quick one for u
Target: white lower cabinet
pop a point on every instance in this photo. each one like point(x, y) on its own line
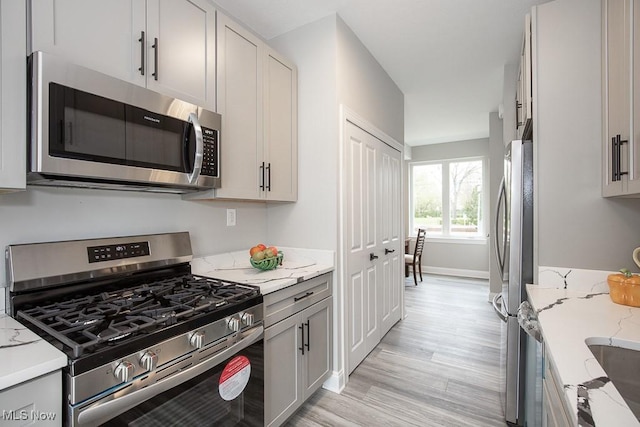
point(297, 348)
point(35, 402)
point(554, 413)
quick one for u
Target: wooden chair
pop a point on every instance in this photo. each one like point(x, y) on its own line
point(415, 260)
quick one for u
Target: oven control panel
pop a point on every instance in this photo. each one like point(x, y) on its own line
point(114, 252)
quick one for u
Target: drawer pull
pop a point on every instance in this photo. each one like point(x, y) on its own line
point(307, 295)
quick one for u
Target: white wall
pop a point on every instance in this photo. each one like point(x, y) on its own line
point(312, 221)
point(334, 68)
point(496, 172)
point(366, 88)
point(454, 258)
point(39, 215)
point(576, 227)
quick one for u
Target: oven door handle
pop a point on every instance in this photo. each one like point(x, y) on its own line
point(99, 413)
point(199, 155)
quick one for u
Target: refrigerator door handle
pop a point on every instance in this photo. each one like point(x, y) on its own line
point(497, 306)
point(502, 194)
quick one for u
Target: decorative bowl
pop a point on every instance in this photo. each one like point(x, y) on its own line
point(624, 289)
point(268, 263)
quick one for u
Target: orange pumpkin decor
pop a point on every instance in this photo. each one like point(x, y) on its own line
point(624, 288)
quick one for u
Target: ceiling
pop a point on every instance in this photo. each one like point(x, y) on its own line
point(446, 56)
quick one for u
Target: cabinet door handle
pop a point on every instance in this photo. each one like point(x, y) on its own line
point(388, 251)
point(301, 327)
point(269, 176)
point(619, 157)
point(307, 295)
point(308, 336)
point(142, 49)
point(156, 48)
point(262, 182)
point(372, 257)
point(614, 159)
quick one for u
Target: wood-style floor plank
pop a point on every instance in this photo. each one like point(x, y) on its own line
point(440, 366)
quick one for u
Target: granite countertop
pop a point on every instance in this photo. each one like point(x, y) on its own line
point(297, 265)
point(24, 354)
point(571, 318)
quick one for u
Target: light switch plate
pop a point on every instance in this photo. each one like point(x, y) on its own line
point(231, 217)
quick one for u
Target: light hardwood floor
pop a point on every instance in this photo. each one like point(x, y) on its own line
point(440, 366)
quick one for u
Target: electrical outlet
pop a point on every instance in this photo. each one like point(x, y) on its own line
point(231, 217)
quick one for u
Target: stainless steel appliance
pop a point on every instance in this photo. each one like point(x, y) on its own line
point(514, 247)
point(88, 129)
point(148, 342)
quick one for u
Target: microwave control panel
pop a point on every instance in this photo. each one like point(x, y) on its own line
point(211, 152)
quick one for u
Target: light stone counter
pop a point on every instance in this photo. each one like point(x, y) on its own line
point(570, 319)
point(297, 265)
point(24, 354)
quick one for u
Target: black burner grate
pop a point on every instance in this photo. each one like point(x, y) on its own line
point(87, 322)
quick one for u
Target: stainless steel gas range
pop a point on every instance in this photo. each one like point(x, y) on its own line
point(148, 342)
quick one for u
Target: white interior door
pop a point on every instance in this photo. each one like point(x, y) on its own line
point(374, 243)
point(362, 241)
point(392, 250)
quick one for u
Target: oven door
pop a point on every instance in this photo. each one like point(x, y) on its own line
point(225, 390)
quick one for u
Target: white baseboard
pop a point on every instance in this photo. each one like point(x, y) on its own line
point(335, 382)
point(476, 274)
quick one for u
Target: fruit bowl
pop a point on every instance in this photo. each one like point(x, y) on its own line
point(267, 263)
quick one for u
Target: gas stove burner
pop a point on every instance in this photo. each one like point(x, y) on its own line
point(107, 317)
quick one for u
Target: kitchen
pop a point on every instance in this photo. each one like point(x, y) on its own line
point(39, 215)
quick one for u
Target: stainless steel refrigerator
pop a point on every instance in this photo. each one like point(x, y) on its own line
point(514, 251)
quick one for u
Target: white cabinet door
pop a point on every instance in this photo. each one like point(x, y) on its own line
point(282, 343)
point(183, 33)
point(98, 34)
point(165, 45)
point(280, 128)
point(240, 87)
point(316, 366)
point(13, 95)
point(617, 87)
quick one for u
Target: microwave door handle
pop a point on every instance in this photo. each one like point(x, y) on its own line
point(197, 163)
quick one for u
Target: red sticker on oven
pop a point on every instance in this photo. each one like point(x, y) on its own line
point(234, 378)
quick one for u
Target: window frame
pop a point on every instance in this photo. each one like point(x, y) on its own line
point(446, 236)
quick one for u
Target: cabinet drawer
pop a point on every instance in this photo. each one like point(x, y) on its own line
point(281, 304)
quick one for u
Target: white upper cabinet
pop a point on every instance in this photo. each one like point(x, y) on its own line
point(166, 45)
point(13, 96)
point(280, 128)
point(621, 101)
point(257, 98)
point(240, 87)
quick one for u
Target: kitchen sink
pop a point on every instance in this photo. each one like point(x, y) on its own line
point(621, 361)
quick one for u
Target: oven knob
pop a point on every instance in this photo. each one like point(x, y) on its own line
point(247, 319)
point(234, 324)
point(124, 371)
point(149, 361)
point(197, 339)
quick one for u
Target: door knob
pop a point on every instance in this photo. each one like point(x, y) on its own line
point(388, 251)
point(372, 257)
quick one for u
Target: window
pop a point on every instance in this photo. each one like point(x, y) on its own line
point(447, 198)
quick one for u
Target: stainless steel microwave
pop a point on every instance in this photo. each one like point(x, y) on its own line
point(91, 130)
